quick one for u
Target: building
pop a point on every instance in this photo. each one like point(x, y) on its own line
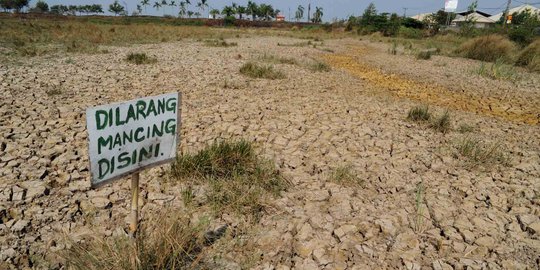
point(480, 19)
point(533, 10)
point(280, 18)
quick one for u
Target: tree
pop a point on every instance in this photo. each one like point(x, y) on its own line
point(252, 9)
point(197, 14)
point(17, 5)
point(266, 11)
point(157, 5)
point(227, 11)
point(116, 8)
point(437, 20)
point(202, 5)
point(317, 16)
point(190, 13)
point(145, 3)
point(183, 9)
point(139, 9)
point(299, 13)
point(41, 7)
point(369, 14)
point(214, 12)
point(240, 10)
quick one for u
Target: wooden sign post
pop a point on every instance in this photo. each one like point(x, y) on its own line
point(128, 137)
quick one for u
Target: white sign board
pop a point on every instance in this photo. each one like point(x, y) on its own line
point(130, 136)
point(450, 5)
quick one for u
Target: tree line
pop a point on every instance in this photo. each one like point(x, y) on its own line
point(184, 8)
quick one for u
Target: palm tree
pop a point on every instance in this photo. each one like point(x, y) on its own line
point(317, 16)
point(240, 10)
point(172, 4)
point(299, 13)
point(202, 5)
point(156, 5)
point(183, 9)
point(252, 9)
point(190, 13)
point(197, 14)
point(214, 12)
point(145, 3)
point(228, 11)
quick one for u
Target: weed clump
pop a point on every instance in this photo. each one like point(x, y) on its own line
point(424, 55)
point(478, 152)
point(442, 123)
point(265, 72)
point(345, 176)
point(277, 59)
point(219, 43)
point(140, 58)
point(497, 71)
point(237, 178)
point(487, 48)
point(167, 241)
point(419, 114)
point(319, 67)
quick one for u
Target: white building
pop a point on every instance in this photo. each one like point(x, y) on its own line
point(533, 10)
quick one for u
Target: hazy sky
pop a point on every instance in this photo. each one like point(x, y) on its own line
point(331, 8)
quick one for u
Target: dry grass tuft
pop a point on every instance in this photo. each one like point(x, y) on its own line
point(167, 241)
point(319, 67)
point(140, 59)
point(442, 123)
point(261, 72)
point(419, 113)
point(219, 43)
point(488, 48)
point(424, 55)
point(530, 56)
point(479, 153)
point(498, 71)
point(277, 59)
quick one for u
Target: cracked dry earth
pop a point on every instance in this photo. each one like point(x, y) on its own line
point(468, 217)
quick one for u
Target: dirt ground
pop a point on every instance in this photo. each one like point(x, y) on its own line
point(421, 205)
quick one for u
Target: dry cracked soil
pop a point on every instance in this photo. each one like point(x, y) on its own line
point(419, 203)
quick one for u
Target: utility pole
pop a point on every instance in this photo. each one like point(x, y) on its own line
point(405, 12)
point(506, 11)
point(309, 12)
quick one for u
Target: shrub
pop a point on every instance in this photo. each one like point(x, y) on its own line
point(487, 48)
point(393, 48)
point(139, 58)
point(497, 71)
point(530, 56)
point(266, 72)
point(465, 128)
point(229, 21)
point(412, 33)
point(419, 113)
point(442, 123)
point(521, 35)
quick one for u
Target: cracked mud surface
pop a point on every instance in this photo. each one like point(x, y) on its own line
point(309, 123)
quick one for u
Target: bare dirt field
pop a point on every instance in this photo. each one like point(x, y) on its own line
point(419, 200)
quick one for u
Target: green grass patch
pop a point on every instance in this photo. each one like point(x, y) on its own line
point(238, 180)
point(478, 152)
point(442, 123)
point(497, 71)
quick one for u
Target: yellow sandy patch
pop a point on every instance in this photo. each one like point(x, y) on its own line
point(434, 94)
